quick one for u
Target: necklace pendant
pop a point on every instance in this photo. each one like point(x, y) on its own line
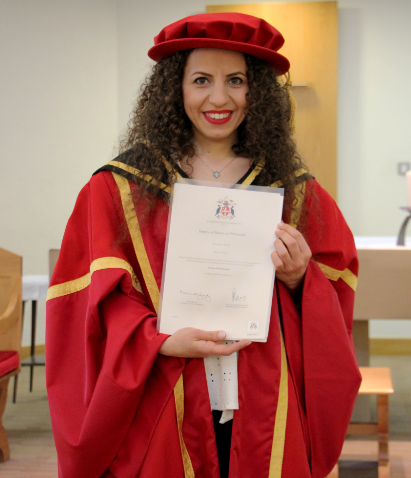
point(216, 174)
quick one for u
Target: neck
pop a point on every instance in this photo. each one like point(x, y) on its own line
point(214, 151)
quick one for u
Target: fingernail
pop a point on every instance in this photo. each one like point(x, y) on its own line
point(221, 334)
point(249, 343)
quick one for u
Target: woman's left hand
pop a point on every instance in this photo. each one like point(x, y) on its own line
point(291, 256)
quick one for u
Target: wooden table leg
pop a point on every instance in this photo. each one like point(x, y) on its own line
point(384, 471)
point(4, 444)
point(16, 381)
point(383, 429)
point(33, 338)
point(360, 332)
point(16, 377)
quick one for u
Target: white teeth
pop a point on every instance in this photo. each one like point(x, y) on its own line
point(218, 115)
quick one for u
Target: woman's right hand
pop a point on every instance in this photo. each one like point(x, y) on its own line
point(196, 343)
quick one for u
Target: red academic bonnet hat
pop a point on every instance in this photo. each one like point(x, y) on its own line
point(229, 31)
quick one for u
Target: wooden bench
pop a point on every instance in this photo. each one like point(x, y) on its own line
point(375, 381)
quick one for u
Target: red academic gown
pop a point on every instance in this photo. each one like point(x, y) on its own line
point(113, 398)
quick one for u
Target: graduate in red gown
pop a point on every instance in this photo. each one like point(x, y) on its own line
point(128, 402)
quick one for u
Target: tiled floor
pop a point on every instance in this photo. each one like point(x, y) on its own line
point(33, 454)
point(28, 425)
point(359, 457)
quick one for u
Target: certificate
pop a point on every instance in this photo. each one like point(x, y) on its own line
point(217, 272)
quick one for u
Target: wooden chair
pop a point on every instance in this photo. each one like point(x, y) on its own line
point(10, 332)
point(375, 381)
point(34, 360)
point(53, 256)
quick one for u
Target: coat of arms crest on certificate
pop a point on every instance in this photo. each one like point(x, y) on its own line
point(225, 209)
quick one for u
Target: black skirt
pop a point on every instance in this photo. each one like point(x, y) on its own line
point(223, 439)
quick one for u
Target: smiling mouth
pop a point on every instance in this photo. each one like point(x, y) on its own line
point(218, 117)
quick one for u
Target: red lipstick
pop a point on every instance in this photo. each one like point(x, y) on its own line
point(218, 121)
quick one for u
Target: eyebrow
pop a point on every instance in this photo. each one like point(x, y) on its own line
point(208, 74)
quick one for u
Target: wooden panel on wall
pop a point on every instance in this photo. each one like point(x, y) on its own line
point(310, 30)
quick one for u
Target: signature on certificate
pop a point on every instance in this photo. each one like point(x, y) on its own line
point(236, 297)
point(200, 296)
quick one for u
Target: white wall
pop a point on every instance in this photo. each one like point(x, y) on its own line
point(374, 113)
point(58, 117)
point(70, 71)
point(138, 23)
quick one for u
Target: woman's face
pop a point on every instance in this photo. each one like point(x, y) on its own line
point(214, 92)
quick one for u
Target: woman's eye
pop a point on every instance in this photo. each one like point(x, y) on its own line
point(201, 80)
point(236, 80)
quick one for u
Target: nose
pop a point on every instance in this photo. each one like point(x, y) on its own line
point(218, 94)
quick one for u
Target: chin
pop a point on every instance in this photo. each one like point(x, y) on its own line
point(220, 134)
point(220, 137)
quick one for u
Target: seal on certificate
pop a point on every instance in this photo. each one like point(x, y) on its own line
point(253, 326)
point(225, 208)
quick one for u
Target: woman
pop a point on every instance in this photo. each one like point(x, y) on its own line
point(126, 401)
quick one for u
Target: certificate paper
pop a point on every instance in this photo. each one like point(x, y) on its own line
point(218, 273)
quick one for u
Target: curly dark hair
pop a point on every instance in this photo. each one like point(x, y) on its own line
point(159, 122)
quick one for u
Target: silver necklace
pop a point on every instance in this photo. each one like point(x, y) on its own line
point(216, 174)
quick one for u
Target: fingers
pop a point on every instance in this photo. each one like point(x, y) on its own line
point(235, 347)
point(210, 343)
point(291, 256)
point(195, 343)
point(212, 348)
point(278, 263)
point(214, 336)
point(292, 250)
point(217, 337)
point(293, 240)
point(283, 253)
point(288, 258)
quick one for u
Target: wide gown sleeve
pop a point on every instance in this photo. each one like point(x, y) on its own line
point(319, 338)
point(101, 339)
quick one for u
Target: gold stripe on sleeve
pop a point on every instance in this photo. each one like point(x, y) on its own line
point(334, 274)
point(116, 263)
point(350, 278)
point(277, 449)
point(136, 238)
point(179, 399)
point(137, 172)
point(81, 283)
point(149, 279)
point(69, 287)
